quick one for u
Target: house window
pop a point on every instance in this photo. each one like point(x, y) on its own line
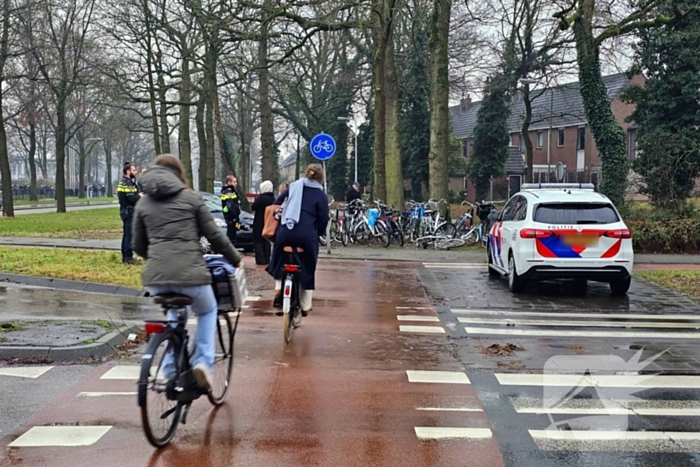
point(632, 144)
point(560, 141)
point(540, 138)
point(521, 143)
point(581, 139)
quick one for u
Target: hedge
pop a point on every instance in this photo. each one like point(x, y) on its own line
point(669, 236)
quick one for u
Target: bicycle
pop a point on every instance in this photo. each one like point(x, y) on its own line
point(323, 145)
point(370, 228)
point(291, 306)
point(169, 342)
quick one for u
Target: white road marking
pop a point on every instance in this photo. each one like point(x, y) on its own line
point(414, 308)
point(447, 377)
point(450, 409)
point(122, 372)
point(606, 381)
point(426, 329)
point(25, 371)
point(253, 298)
point(61, 436)
point(595, 435)
point(455, 265)
point(574, 315)
point(436, 432)
point(613, 411)
point(434, 319)
point(590, 324)
point(655, 408)
point(557, 333)
point(106, 394)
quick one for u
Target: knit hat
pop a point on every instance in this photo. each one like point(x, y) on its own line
point(266, 187)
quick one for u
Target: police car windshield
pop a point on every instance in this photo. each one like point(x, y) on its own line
point(576, 213)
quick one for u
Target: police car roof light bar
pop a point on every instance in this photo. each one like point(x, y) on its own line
point(555, 186)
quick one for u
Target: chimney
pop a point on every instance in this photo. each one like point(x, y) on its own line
point(466, 103)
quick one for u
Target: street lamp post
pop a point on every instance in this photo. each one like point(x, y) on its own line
point(354, 132)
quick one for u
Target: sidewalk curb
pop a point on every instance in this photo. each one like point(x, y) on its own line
point(56, 245)
point(79, 286)
point(71, 205)
point(104, 346)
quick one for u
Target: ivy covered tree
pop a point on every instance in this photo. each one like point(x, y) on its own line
point(491, 139)
point(415, 110)
point(668, 110)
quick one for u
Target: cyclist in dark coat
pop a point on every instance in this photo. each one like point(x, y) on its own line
point(304, 219)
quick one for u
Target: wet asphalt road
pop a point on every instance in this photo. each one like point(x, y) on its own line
point(345, 391)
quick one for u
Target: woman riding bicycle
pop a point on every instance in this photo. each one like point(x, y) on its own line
point(304, 219)
point(168, 223)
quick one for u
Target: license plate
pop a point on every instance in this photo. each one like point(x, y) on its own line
point(580, 240)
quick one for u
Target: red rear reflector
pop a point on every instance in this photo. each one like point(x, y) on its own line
point(154, 328)
point(287, 291)
point(619, 233)
point(291, 268)
point(535, 233)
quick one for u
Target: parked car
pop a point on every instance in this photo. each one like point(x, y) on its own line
point(244, 236)
point(561, 231)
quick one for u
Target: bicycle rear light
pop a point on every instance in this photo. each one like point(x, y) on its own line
point(291, 268)
point(154, 328)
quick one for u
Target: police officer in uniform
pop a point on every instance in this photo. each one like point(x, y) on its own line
point(231, 207)
point(128, 194)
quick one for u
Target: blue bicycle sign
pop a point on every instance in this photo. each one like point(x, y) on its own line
point(322, 146)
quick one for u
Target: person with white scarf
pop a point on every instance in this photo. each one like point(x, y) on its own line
point(304, 219)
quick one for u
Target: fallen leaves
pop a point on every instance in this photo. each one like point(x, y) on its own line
point(498, 350)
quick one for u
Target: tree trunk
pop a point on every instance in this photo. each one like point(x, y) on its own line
point(609, 137)
point(380, 46)
point(439, 100)
point(81, 169)
point(164, 127)
point(151, 84)
point(269, 159)
point(244, 154)
point(8, 209)
point(211, 146)
point(185, 145)
point(224, 146)
point(61, 155)
point(525, 134)
point(394, 171)
point(32, 162)
point(202, 140)
point(108, 162)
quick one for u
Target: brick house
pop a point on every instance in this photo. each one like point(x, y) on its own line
point(570, 140)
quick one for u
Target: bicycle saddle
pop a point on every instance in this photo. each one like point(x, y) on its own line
point(173, 299)
point(288, 249)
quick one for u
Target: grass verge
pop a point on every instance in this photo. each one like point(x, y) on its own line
point(69, 200)
point(85, 224)
point(103, 267)
point(684, 282)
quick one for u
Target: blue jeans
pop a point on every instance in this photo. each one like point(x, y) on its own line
point(205, 308)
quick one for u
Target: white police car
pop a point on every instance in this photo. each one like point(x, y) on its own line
point(560, 231)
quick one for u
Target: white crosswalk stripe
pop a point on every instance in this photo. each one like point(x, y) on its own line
point(455, 265)
point(580, 421)
point(617, 325)
point(32, 372)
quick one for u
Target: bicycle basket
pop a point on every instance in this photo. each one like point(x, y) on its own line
point(483, 211)
point(372, 216)
point(230, 284)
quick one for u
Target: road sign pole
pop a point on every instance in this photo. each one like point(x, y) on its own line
point(328, 226)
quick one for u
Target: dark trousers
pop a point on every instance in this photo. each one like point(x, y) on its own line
point(127, 252)
point(231, 233)
point(262, 251)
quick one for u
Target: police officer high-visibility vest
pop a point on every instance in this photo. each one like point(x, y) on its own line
point(128, 195)
point(230, 204)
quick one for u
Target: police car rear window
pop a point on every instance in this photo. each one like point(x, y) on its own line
point(576, 213)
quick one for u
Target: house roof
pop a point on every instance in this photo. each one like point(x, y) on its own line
point(515, 165)
point(289, 160)
point(565, 101)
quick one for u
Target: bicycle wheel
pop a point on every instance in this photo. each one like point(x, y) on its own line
point(382, 233)
point(287, 327)
point(343, 234)
point(446, 229)
point(471, 237)
point(362, 234)
point(447, 243)
point(159, 415)
point(223, 359)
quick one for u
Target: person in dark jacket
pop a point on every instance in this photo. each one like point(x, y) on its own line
point(168, 223)
point(304, 219)
point(231, 206)
point(353, 193)
point(128, 195)
point(262, 245)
